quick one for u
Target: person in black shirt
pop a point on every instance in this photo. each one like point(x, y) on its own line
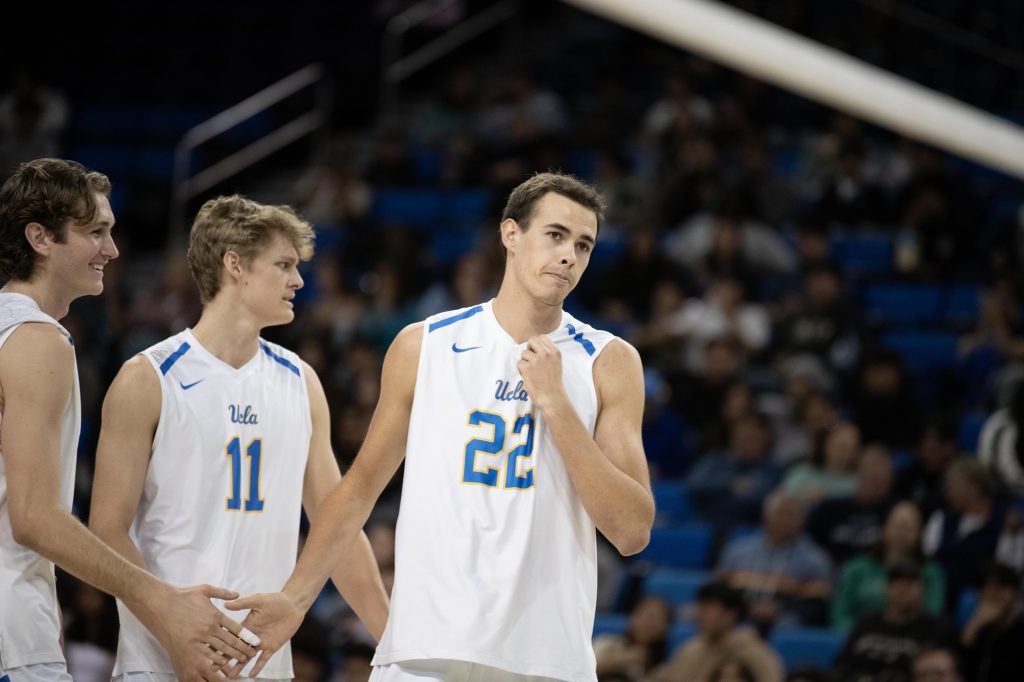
point(845, 526)
point(994, 635)
point(882, 645)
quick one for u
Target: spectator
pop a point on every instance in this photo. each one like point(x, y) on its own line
point(963, 534)
point(643, 645)
point(729, 487)
point(823, 323)
point(884, 405)
point(785, 577)
point(848, 525)
point(724, 312)
point(701, 396)
point(720, 639)
point(921, 481)
point(993, 636)
point(862, 583)
point(32, 118)
point(830, 473)
point(882, 645)
point(851, 198)
point(936, 664)
point(799, 429)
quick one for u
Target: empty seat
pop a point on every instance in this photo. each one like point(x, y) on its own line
point(686, 546)
point(923, 350)
point(863, 253)
point(677, 587)
point(903, 303)
point(671, 502)
point(610, 624)
point(801, 647)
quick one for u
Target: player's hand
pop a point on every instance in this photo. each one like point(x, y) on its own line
point(541, 369)
point(274, 617)
point(198, 637)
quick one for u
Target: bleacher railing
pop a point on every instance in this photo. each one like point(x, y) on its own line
point(187, 186)
point(397, 68)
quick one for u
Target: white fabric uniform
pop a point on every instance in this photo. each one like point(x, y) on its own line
point(29, 617)
point(495, 555)
point(222, 497)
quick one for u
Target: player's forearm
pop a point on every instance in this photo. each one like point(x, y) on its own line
point(338, 521)
point(120, 542)
point(62, 539)
point(621, 508)
point(358, 580)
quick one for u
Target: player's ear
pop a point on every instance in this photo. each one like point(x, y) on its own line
point(509, 234)
point(232, 263)
point(38, 238)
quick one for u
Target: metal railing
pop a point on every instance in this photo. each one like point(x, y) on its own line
point(315, 121)
point(396, 68)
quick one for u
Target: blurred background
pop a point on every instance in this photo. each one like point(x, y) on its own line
point(830, 313)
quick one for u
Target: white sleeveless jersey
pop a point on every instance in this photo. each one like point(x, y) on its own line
point(29, 618)
point(222, 497)
point(495, 554)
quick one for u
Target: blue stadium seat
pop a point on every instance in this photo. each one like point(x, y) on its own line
point(467, 208)
point(610, 624)
point(677, 587)
point(863, 254)
point(680, 632)
point(965, 607)
point(969, 431)
point(686, 546)
point(671, 502)
point(923, 350)
point(903, 303)
point(799, 647)
point(413, 206)
point(962, 305)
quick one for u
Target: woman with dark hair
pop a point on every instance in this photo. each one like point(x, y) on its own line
point(644, 644)
point(862, 582)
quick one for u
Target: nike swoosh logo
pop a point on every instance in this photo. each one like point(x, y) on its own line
point(185, 386)
point(463, 350)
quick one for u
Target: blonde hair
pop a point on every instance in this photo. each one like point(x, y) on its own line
point(234, 223)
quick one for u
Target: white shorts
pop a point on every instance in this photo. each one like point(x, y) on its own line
point(441, 670)
point(39, 672)
point(165, 677)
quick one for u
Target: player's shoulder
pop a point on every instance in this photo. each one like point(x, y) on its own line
point(284, 359)
point(585, 338)
point(451, 319)
point(37, 342)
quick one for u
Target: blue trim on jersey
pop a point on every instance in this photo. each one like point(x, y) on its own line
point(578, 338)
point(72, 342)
point(165, 366)
point(5, 678)
point(278, 359)
point(454, 318)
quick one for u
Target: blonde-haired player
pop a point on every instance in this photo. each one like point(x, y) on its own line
point(213, 440)
point(520, 430)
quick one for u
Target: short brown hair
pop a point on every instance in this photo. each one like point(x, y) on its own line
point(522, 202)
point(51, 192)
point(234, 223)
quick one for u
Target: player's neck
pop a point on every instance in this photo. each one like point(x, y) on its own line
point(230, 337)
point(522, 316)
point(51, 302)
